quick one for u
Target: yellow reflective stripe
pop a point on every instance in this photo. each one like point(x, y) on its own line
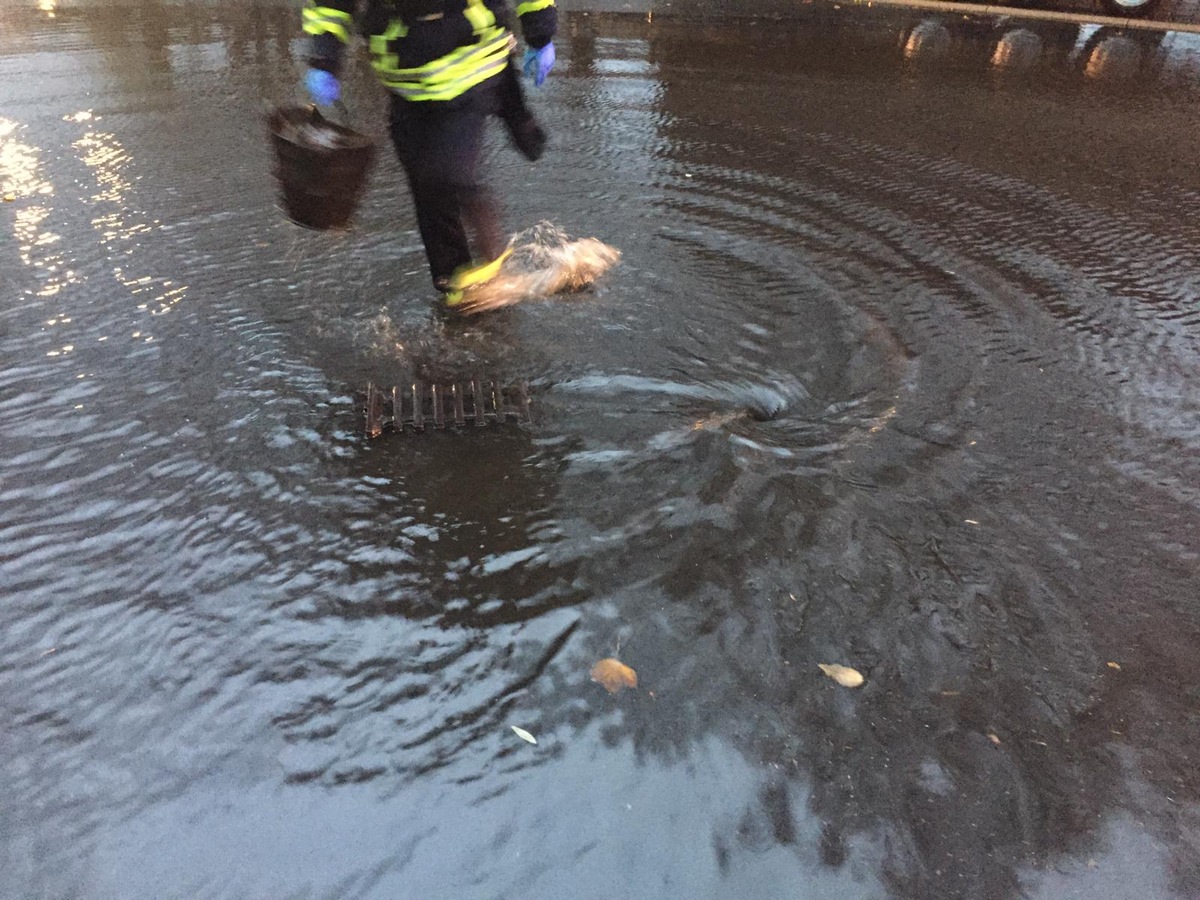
point(450, 91)
point(315, 28)
point(328, 12)
point(460, 57)
point(446, 78)
point(472, 276)
point(533, 6)
point(480, 17)
point(380, 45)
point(323, 20)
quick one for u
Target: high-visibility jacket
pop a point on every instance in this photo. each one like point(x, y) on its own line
point(426, 49)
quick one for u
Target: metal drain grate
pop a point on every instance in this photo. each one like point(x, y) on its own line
point(422, 405)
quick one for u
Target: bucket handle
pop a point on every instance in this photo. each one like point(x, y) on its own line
point(316, 115)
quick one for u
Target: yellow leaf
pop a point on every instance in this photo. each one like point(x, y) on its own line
point(614, 675)
point(1113, 665)
point(843, 675)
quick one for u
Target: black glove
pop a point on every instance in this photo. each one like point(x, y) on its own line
point(529, 137)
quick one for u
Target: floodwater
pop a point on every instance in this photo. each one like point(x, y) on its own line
point(898, 371)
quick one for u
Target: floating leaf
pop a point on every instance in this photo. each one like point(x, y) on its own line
point(1113, 665)
point(614, 675)
point(843, 675)
point(524, 735)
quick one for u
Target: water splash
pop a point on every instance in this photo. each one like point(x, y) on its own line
point(545, 260)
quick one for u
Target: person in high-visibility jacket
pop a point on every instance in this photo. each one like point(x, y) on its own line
point(449, 66)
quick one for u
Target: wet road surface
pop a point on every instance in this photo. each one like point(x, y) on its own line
point(899, 371)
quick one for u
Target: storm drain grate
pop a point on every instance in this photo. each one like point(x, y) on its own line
point(420, 405)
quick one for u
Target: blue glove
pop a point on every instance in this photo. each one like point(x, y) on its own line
point(322, 86)
point(538, 63)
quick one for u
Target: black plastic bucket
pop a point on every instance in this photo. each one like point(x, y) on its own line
point(321, 166)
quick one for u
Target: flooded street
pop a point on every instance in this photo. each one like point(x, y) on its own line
point(898, 371)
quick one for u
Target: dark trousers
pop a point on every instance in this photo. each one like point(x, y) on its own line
point(440, 145)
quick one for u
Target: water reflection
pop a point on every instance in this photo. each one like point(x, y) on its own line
point(21, 181)
point(429, 618)
point(121, 227)
point(927, 39)
point(956, 761)
point(1121, 57)
point(1018, 49)
point(854, 398)
point(1116, 55)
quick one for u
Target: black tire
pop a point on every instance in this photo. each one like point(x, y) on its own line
point(1137, 54)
